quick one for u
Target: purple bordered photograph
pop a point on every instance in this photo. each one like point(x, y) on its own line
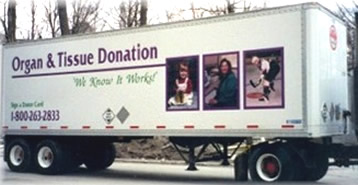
point(264, 78)
point(220, 80)
point(182, 82)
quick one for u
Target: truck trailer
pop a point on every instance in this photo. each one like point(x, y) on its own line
point(273, 80)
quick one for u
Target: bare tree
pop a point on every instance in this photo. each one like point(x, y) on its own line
point(33, 20)
point(85, 16)
point(143, 12)
point(347, 14)
point(228, 7)
point(3, 18)
point(51, 18)
point(11, 21)
point(175, 15)
point(62, 12)
point(195, 13)
point(129, 13)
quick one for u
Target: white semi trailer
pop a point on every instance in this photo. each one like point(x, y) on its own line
point(278, 75)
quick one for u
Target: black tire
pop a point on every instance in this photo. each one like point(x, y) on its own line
point(279, 156)
point(241, 167)
point(299, 168)
point(100, 157)
point(18, 155)
point(52, 158)
point(320, 164)
point(74, 157)
point(77, 159)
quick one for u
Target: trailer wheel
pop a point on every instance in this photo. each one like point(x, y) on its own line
point(19, 155)
point(51, 158)
point(241, 167)
point(320, 165)
point(100, 157)
point(299, 168)
point(271, 163)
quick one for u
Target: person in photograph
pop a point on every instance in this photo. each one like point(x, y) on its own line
point(269, 69)
point(226, 94)
point(183, 87)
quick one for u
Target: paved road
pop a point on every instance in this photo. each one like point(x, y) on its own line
point(156, 174)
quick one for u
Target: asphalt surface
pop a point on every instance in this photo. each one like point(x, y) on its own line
point(157, 174)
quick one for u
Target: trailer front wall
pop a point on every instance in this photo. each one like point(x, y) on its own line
point(327, 75)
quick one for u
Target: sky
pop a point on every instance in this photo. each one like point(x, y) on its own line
point(172, 4)
point(331, 4)
point(157, 9)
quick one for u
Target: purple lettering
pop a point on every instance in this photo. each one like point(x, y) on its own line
point(102, 55)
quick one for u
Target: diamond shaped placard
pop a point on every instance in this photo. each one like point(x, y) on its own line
point(122, 115)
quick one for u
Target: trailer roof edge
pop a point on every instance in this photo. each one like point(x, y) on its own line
point(239, 15)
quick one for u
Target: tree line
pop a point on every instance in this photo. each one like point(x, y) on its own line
point(55, 20)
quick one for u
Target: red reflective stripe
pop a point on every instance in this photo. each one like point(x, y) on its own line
point(86, 127)
point(23, 127)
point(43, 127)
point(287, 126)
point(252, 126)
point(161, 127)
point(64, 127)
point(109, 127)
point(134, 127)
point(189, 127)
point(219, 126)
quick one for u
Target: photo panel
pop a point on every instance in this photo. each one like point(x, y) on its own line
point(221, 81)
point(182, 83)
point(264, 78)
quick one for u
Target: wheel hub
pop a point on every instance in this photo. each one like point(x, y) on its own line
point(45, 157)
point(17, 155)
point(271, 168)
point(268, 167)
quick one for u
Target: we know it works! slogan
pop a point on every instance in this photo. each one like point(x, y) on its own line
point(133, 78)
point(64, 59)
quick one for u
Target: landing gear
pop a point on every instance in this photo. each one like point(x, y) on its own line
point(219, 145)
point(225, 155)
point(192, 160)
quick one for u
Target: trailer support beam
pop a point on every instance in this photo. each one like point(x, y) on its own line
point(192, 159)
